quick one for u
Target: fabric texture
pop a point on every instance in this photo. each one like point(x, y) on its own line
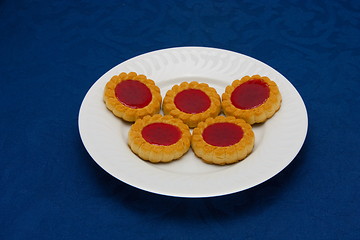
point(51, 52)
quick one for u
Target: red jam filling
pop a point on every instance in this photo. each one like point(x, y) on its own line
point(133, 94)
point(161, 134)
point(250, 94)
point(192, 101)
point(222, 134)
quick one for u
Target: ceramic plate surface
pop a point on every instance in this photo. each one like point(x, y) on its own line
point(277, 142)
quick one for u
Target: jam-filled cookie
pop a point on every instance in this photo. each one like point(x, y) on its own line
point(192, 102)
point(159, 138)
point(131, 96)
point(254, 99)
point(222, 140)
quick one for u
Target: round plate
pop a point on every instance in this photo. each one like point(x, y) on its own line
point(278, 140)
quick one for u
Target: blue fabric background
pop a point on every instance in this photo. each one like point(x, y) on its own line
point(51, 52)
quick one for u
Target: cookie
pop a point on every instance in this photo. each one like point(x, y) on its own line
point(159, 138)
point(192, 102)
point(131, 96)
point(254, 99)
point(222, 140)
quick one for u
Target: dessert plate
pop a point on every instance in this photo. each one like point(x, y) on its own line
point(277, 141)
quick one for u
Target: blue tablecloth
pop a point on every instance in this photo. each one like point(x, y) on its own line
point(51, 52)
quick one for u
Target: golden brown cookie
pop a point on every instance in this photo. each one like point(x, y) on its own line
point(159, 138)
point(222, 140)
point(254, 99)
point(192, 102)
point(132, 96)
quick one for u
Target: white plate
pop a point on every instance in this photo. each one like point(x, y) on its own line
point(277, 141)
